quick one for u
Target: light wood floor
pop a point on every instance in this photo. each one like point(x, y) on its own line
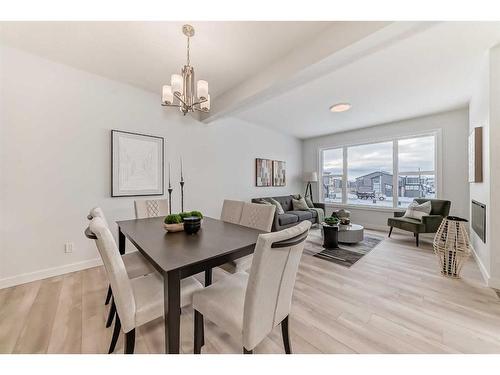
point(392, 301)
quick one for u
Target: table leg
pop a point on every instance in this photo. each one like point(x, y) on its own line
point(208, 277)
point(121, 241)
point(172, 306)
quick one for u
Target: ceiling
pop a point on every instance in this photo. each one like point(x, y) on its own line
point(283, 75)
point(145, 54)
point(429, 71)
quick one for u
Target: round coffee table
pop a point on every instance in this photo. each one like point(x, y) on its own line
point(330, 236)
point(352, 233)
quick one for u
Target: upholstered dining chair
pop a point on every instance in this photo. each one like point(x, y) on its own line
point(249, 306)
point(231, 211)
point(140, 300)
point(253, 215)
point(151, 208)
point(135, 264)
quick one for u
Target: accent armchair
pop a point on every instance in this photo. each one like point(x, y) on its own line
point(429, 223)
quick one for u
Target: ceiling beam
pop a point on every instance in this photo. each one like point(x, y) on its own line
point(334, 47)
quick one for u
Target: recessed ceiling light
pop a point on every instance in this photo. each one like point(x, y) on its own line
point(340, 107)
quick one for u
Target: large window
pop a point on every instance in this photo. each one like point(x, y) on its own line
point(364, 174)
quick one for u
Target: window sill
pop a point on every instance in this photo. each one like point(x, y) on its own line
point(364, 208)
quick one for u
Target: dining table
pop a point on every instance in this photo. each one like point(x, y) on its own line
point(177, 255)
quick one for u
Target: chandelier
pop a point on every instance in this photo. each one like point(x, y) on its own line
point(180, 93)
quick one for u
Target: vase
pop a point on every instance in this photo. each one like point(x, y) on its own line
point(192, 224)
point(452, 246)
point(178, 227)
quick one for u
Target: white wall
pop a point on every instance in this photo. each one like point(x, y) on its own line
point(55, 160)
point(479, 115)
point(484, 112)
point(454, 186)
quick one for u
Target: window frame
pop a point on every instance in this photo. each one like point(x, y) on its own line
point(436, 133)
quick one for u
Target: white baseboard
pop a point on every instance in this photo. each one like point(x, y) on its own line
point(48, 272)
point(484, 272)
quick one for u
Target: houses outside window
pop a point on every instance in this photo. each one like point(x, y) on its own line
point(363, 175)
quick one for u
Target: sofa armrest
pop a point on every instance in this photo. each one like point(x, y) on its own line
point(319, 205)
point(432, 222)
point(399, 214)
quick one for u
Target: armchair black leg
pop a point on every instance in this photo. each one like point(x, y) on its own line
point(116, 334)
point(108, 295)
point(286, 336)
point(247, 351)
point(416, 238)
point(198, 332)
point(111, 315)
point(130, 342)
point(390, 231)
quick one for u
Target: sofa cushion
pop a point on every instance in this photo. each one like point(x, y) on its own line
point(287, 218)
point(300, 205)
point(303, 215)
point(411, 225)
point(314, 213)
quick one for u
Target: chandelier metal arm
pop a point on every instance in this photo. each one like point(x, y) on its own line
point(171, 105)
point(201, 101)
point(178, 96)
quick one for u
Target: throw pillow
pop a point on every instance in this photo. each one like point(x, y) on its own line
point(279, 207)
point(416, 211)
point(309, 202)
point(300, 205)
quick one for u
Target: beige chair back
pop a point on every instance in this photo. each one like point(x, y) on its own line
point(97, 212)
point(151, 208)
point(257, 216)
point(117, 274)
point(272, 277)
point(231, 211)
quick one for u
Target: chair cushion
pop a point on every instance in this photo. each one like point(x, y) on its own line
point(287, 218)
point(303, 215)
point(148, 294)
point(223, 302)
point(136, 265)
point(238, 265)
point(404, 223)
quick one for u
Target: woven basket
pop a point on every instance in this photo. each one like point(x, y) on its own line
point(452, 246)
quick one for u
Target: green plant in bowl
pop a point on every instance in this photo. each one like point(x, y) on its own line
point(183, 215)
point(331, 220)
point(173, 219)
point(196, 214)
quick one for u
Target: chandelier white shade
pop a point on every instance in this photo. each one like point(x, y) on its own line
point(181, 91)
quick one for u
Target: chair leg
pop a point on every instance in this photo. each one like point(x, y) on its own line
point(416, 238)
point(130, 342)
point(116, 334)
point(286, 336)
point(108, 295)
point(390, 231)
point(111, 315)
point(247, 351)
point(198, 332)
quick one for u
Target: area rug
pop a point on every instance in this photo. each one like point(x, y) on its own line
point(346, 255)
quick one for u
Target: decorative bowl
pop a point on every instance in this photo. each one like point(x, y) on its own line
point(192, 224)
point(174, 227)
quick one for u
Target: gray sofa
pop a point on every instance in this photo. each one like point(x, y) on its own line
point(291, 217)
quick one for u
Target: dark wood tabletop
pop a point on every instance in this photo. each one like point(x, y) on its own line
point(179, 255)
point(176, 250)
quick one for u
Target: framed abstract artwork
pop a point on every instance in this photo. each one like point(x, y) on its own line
point(279, 173)
point(263, 172)
point(137, 164)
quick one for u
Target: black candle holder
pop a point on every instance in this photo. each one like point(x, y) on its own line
point(170, 190)
point(182, 195)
